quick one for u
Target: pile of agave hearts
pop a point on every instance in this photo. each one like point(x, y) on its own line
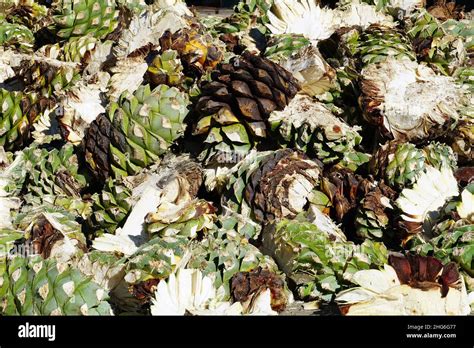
point(296, 154)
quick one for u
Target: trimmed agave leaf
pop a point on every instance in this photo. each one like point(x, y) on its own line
point(232, 220)
point(34, 286)
point(8, 239)
point(231, 112)
point(138, 129)
point(166, 68)
point(118, 197)
point(367, 255)
point(282, 47)
point(456, 245)
point(283, 178)
point(13, 175)
point(19, 112)
point(135, 6)
point(16, 36)
point(47, 74)
point(82, 17)
point(324, 223)
point(52, 176)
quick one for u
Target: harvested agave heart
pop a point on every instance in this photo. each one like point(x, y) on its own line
point(232, 112)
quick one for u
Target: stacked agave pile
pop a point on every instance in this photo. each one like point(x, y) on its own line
point(157, 161)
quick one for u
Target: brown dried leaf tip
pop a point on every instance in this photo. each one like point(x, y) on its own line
point(144, 291)
point(245, 286)
point(43, 237)
point(425, 272)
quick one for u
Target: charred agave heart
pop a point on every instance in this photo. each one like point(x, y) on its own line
point(425, 272)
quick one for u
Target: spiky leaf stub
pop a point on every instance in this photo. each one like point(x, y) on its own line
point(408, 101)
point(111, 206)
point(273, 185)
point(377, 43)
point(139, 129)
point(401, 164)
point(283, 46)
point(156, 259)
point(48, 76)
point(52, 178)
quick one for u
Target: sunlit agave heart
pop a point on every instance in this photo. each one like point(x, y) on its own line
point(308, 18)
